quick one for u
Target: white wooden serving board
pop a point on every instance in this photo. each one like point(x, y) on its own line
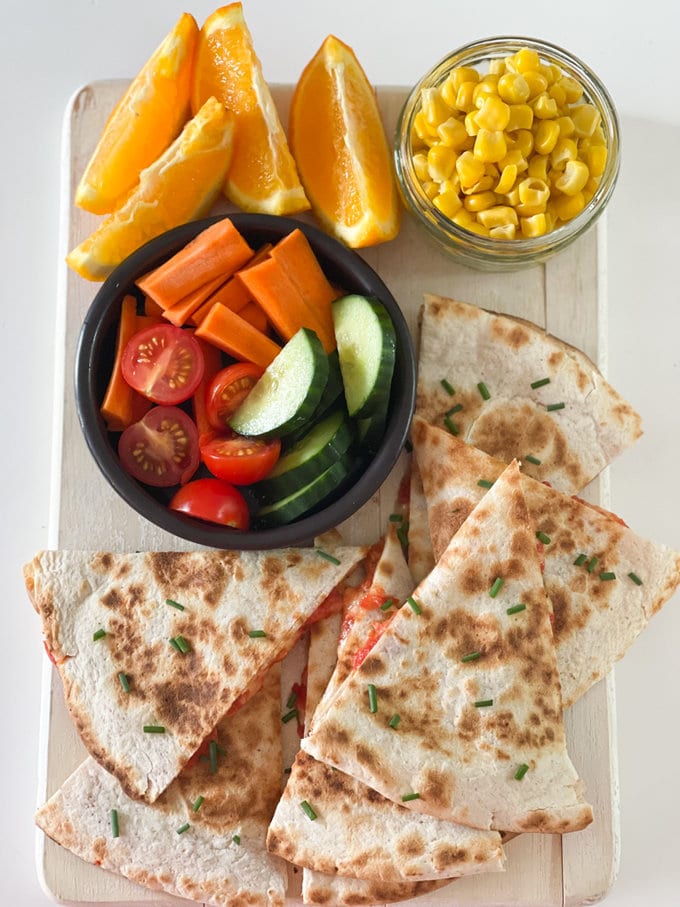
point(566, 296)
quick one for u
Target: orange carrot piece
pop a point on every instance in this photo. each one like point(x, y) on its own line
point(212, 358)
point(181, 311)
point(218, 250)
point(229, 332)
point(152, 308)
point(233, 293)
point(254, 314)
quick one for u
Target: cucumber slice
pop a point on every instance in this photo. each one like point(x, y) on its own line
point(288, 392)
point(329, 397)
point(325, 443)
point(370, 431)
point(366, 346)
point(312, 495)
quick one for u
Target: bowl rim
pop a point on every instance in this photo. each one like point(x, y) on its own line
point(95, 327)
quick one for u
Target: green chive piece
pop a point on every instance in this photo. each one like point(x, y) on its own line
point(521, 771)
point(483, 703)
point(447, 387)
point(292, 699)
point(396, 517)
point(636, 579)
point(484, 391)
point(183, 828)
point(154, 729)
point(542, 537)
point(607, 575)
point(386, 605)
point(175, 645)
point(496, 587)
point(326, 556)
point(124, 682)
point(394, 721)
point(516, 609)
point(307, 809)
point(198, 802)
point(580, 560)
point(592, 563)
point(551, 407)
point(236, 839)
point(174, 604)
point(98, 634)
point(372, 699)
point(530, 458)
point(182, 644)
point(115, 829)
point(289, 716)
point(402, 534)
point(212, 755)
point(451, 425)
point(415, 607)
point(485, 483)
point(257, 634)
point(454, 409)
point(471, 656)
point(406, 797)
point(540, 383)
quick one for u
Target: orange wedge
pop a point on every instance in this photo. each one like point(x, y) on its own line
point(262, 176)
point(148, 117)
point(339, 144)
point(181, 185)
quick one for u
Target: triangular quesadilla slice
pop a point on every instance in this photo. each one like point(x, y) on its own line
point(604, 581)
point(357, 832)
point(468, 668)
point(513, 390)
point(155, 648)
point(204, 838)
point(341, 891)
point(420, 557)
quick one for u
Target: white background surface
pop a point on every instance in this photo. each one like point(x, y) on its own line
point(49, 48)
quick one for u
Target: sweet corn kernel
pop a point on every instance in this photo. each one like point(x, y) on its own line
point(526, 60)
point(586, 119)
point(531, 210)
point(574, 178)
point(521, 117)
point(566, 125)
point(450, 185)
point(494, 114)
point(433, 107)
point(597, 138)
point(463, 218)
point(441, 162)
point(565, 150)
point(471, 127)
point(537, 83)
point(447, 202)
point(448, 90)
point(514, 156)
point(490, 145)
point(498, 216)
point(533, 226)
point(430, 188)
point(464, 101)
point(479, 229)
point(513, 88)
point(497, 67)
point(544, 106)
point(524, 142)
point(423, 130)
point(568, 206)
point(507, 231)
point(507, 179)
point(590, 188)
point(558, 94)
point(420, 166)
point(463, 74)
point(482, 91)
point(469, 169)
point(512, 197)
point(533, 191)
point(538, 167)
point(479, 201)
point(452, 132)
point(546, 134)
point(572, 88)
point(482, 185)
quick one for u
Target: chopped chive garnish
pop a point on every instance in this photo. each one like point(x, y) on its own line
point(289, 716)
point(471, 656)
point(115, 829)
point(396, 518)
point(483, 703)
point(394, 721)
point(580, 560)
point(530, 458)
point(372, 699)
point(183, 828)
point(415, 607)
point(98, 634)
point(454, 409)
point(447, 387)
point(386, 605)
point(307, 809)
point(154, 729)
point(198, 802)
point(236, 839)
point(451, 425)
point(484, 391)
point(182, 644)
point(542, 537)
point(292, 699)
point(175, 645)
point(636, 579)
point(521, 771)
point(326, 556)
point(516, 609)
point(485, 483)
point(257, 634)
point(540, 383)
point(496, 586)
point(402, 534)
point(212, 755)
point(551, 407)
point(124, 682)
point(592, 563)
point(174, 604)
point(406, 797)
point(607, 575)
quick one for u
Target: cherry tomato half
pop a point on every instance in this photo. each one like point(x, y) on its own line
point(162, 448)
point(239, 460)
point(228, 389)
point(214, 501)
point(164, 363)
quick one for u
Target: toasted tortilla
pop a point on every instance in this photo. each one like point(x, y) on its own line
point(420, 557)
point(467, 727)
point(466, 345)
point(341, 891)
point(205, 862)
point(596, 621)
point(223, 596)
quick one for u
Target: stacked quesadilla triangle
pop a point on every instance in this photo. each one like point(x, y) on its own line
point(204, 837)
point(604, 582)
point(468, 664)
point(155, 648)
point(511, 389)
point(357, 833)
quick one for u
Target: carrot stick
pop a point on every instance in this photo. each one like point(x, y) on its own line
point(255, 315)
point(233, 293)
point(213, 363)
point(152, 308)
point(231, 333)
point(218, 250)
point(122, 405)
point(181, 311)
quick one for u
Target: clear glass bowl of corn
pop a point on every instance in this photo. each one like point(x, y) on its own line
point(506, 151)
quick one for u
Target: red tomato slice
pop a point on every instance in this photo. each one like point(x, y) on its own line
point(239, 460)
point(228, 389)
point(164, 363)
point(162, 448)
point(214, 501)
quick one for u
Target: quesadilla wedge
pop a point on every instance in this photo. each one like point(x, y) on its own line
point(604, 581)
point(204, 837)
point(155, 648)
point(468, 664)
point(420, 557)
point(341, 891)
point(518, 392)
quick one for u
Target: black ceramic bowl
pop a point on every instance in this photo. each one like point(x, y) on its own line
point(94, 359)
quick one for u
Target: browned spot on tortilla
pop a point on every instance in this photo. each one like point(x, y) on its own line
point(437, 788)
point(180, 571)
point(410, 844)
point(366, 755)
point(372, 664)
point(444, 856)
